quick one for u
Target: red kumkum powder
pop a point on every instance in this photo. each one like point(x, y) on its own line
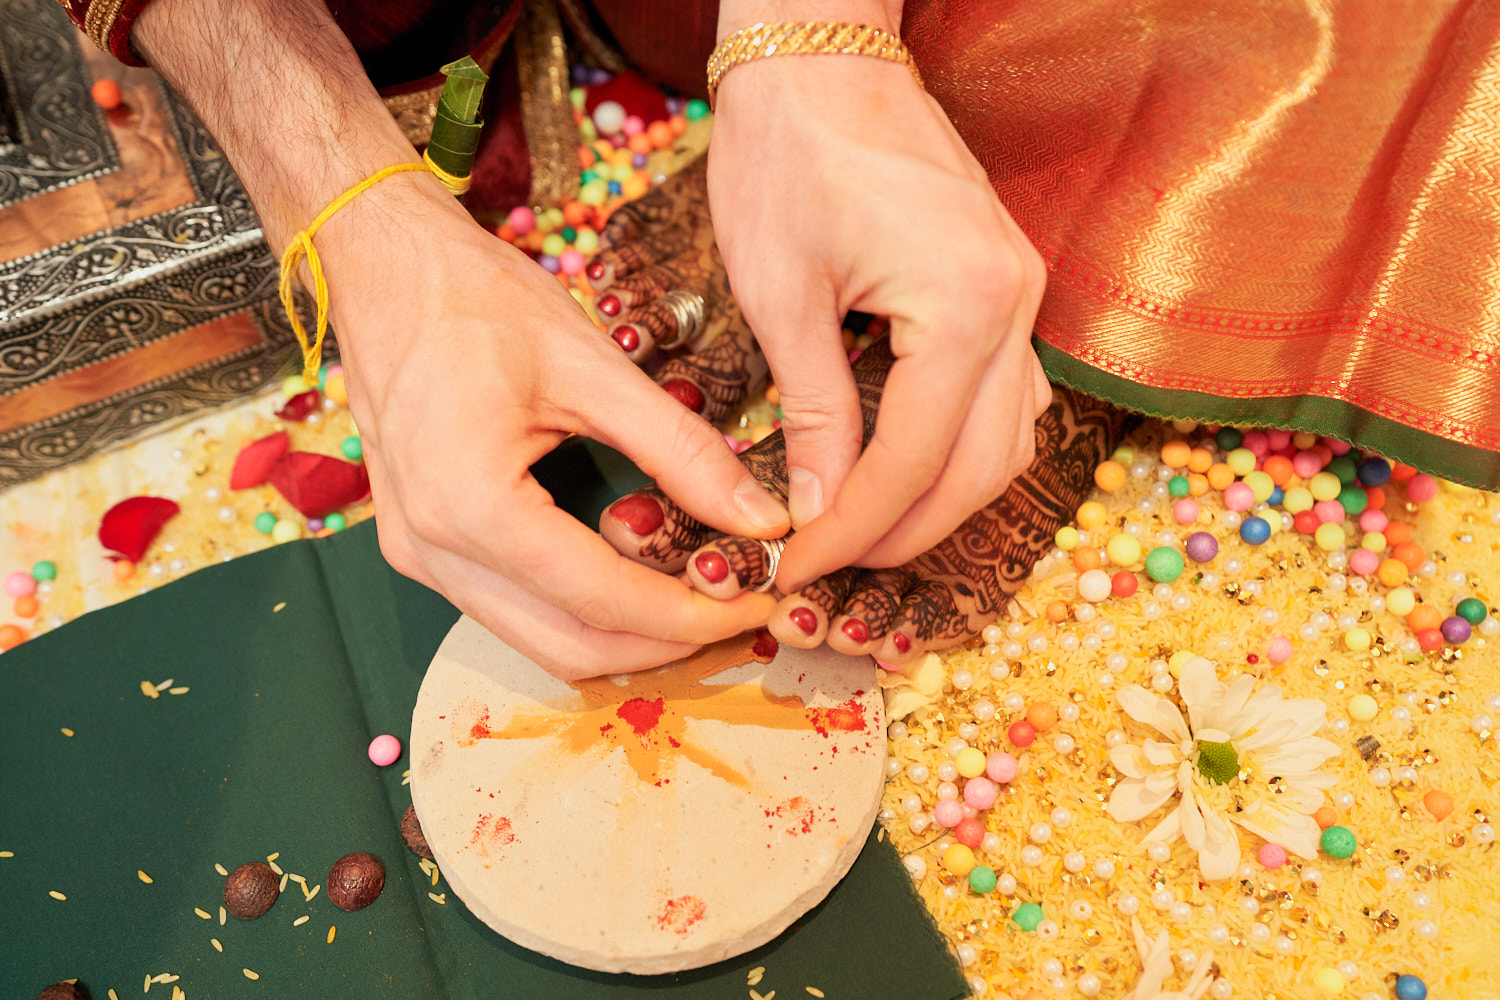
point(642, 715)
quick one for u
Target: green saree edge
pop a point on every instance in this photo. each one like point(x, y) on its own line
point(1437, 456)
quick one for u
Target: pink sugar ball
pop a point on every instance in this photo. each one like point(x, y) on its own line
point(970, 832)
point(1307, 464)
point(1334, 445)
point(385, 750)
point(571, 262)
point(1001, 766)
point(1279, 650)
point(948, 813)
point(635, 125)
point(1257, 442)
point(1185, 511)
point(1363, 561)
point(1278, 439)
point(1273, 856)
point(1373, 520)
point(980, 792)
point(1329, 512)
point(20, 585)
point(1238, 496)
point(522, 220)
point(1421, 488)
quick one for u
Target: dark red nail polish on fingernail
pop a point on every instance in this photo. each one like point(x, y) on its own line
point(641, 515)
point(685, 392)
point(596, 271)
point(609, 305)
point(712, 566)
point(902, 642)
point(805, 619)
point(627, 338)
point(857, 631)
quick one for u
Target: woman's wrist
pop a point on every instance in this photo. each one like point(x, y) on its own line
point(737, 14)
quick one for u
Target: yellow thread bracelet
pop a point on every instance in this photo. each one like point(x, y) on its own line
point(302, 246)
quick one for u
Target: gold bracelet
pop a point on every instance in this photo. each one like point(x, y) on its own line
point(760, 41)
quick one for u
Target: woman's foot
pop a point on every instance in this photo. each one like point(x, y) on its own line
point(665, 298)
point(939, 599)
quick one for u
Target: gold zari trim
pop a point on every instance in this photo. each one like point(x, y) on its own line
point(99, 21)
point(551, 136)
point(760, 41)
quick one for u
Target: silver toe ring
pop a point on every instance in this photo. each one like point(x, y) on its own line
point(689, 311)
point(773, 547)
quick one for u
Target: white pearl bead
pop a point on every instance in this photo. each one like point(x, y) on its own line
point(1338, 559)
point(1492, 702)
point(1158, 851)
point(1114, 738)
point(911, 804)
point(918, 773)
point(1047, 930)
point(1209, 581)
point(1425, 928)
point(1116, 662)
point(1187, 958)
point(1260, 933)
point(1006, 884)
point(1346, 621)
point(1051, 968)
point(1377, 604)
point(1182, 912)
point(1106, 680)
point(984, 711)
point(1075, 862)
point(1247, 871)
point(1341, 726)
point(1406, 775)
point(1067, 642)
point(1037, 643)
point(968, 731)
point(1064, 744)
point(978, 986)
point(1104, 868)
point(1067, 712)
point(1344, 800)
point(1181, 602)
point(1085, 613)
point(918, 823)
point(1040, 833)
point(1162, 683)
point(897, 731)
point(947, 770)
point(1347, 969)
point(966, 954)
point(1481, 722)
point(1320, 620)
point(993, 635)
point(892, 767)
point(1162, 899)
point(1150, 610)
point(1380, 777)
point(1230, 519)
point(1489, 628)
point(916, 866)
point(1338, 582)
point(1428, 568)
point(1127, 904)
point(999, 670)
point(1307, 632)
point(1250, 905)
point(947, 790)
point(1089, 985)
point(1284, 945)
point(1484, 833)
point(955, 746)
point(1395, 874)
point(1012, 650)
point(1222, 989)
point(1015, 703)
point(1218, 934)
point(1421, 900)
point(1457, 578)
point(1091, 643)
point(1233, 566)
point(1081, 909)
point(963, 680)
point(885, 817)
point(991, 843)
point(1312, 877)
point(1106, 630)
point(1401, 714)
point(1015, 629)
point(950, 892)
point(1031, 855)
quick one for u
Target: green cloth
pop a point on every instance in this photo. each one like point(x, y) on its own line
point(266, 753)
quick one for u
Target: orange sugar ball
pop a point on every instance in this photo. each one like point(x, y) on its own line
point(1056, 611)
point(1374, 498)
point(1324, 453)
point(1175, 454)
point(1325, 817)
point(660, 134)
point(603, 148)
point(678, 124)
point(1200, 460)
point(1279, 468)
point(575, 213)
point(1424, 617)
point(506, 233)
point(11, 636)
point(1197, 484)
point(1091, 514)
point(1401, 473)
point(124, 569)
point(1220, 476)
point(1085, 558)
point(636, 185)
point(1438, 803)
point(1397, 532)
point(1430, 639)
point(586, 157)
point(1392, 572)
point(26, 606)
point(1042, 715)
point(1109, 476)
point(107, 94)
point(639, 143)
point(1408, 552)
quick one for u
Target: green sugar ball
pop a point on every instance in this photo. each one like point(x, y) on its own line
point(1163, 564)
point(1354, 499)
point(1027, 916)
point(1470, 609)
point(696, 109)
point(1179, 487)
point(352, 448)
point(1338, 842)
point(335, 522)
point(1344, 468)
point(265, 522)
point(47, 570)
point(982, 879)
point(1228, 438)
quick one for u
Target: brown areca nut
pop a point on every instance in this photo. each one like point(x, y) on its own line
point(251, 890)
point(63, 991)
point(411, 832)
point(355, 881)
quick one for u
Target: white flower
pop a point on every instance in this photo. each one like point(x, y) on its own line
point(1156, 966)
point(1231, 731)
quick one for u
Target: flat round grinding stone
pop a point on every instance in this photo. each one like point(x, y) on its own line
point(649, 822)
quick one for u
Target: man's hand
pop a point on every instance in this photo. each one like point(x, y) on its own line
point(837, 184)
point(466, 361)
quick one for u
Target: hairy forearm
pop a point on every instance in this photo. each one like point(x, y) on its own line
point(282, 90)
point(736, 14)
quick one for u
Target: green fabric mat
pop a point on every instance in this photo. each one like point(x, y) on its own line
point(266, 753)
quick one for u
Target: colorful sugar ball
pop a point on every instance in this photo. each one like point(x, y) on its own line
point(26, 607)
point(1329, 537)
point(285, 531)
point(980, 793)
point(1271, 856)
point(1094, 586)
point(1238, 496)
point(1456, 630)
point(11, 636)
point(1470, 609)
point(1438, 803)
point(1163, 564)
point(1255, 530)
point(335, 522)
point(1201, 547)
point(521, 220)
point(1240, 461)
point(47, 570)
point(609, 117)
point(385, 750)
point(1042, 715)
point(1329, 979)
point(969, 832)
point(1357, 640)
point(1400, 601)
point(1027, 916)
point(1362, 708)
point(265, 522)
point(1001, 766)
point(1124, 583)
point(1337, 842)
point(948, 813)
point(982, 879)
point(1421, 488)
point(20, 585)
point(970, 762)
point(1279, 649)
point(1185, 511)
point(696, 109)
point(1123, 550)
point(1178, 487)
point(959, 860)
point(1109, 476)
point(1409, 987)
point(352, 448)
point(1066, 538)
point(107, 94)
point(1374, 471)
point(1363, 562)
point(1021, 733)
point(1325, 816)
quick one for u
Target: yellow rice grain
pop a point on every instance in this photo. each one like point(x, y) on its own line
point(203, 913)
point(331, 929)
point(143, 876)
point(215, 942)
point(66, 731)
point(149, 690)
point(250, 975)
point(56, 895)
point(301, 920)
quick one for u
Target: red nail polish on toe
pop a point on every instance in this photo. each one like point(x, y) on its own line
point(609, 305)
point(902, 642)
point(596, 270)
point(712, 566)
point(685, 392)
point(627, 338)
point(805, 619)
point(641, 515)
point(857, 631)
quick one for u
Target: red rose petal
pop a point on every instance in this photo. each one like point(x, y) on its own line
point(130, 526)
point(299, 406)
point(252, 466)
point(319, 484)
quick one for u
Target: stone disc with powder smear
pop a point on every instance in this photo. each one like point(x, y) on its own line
point(650, 822)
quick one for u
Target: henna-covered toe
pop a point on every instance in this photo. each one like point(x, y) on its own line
point(652, 530)
point(801, 619)
point(661, 225)
point(869, 611)
point(727, 567)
